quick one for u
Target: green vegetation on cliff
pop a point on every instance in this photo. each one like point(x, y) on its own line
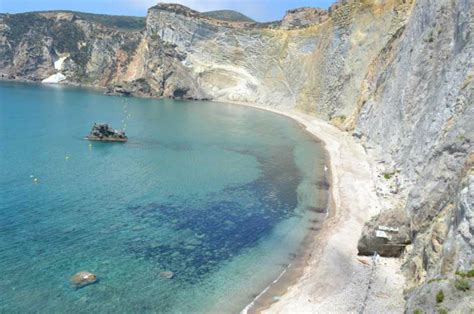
point(228, 15)
point(20, 24)
point(116, 21)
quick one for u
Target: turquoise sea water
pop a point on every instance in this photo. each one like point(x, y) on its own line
point(216, 193)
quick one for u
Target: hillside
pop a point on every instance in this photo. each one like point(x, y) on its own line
point(228, 15)
point(116, 21)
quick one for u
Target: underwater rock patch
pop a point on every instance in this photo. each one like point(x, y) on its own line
point(82, 279)
point(167, 274)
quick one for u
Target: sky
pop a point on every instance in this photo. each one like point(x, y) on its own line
point(260, 10)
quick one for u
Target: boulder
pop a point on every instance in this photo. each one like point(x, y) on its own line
point(103, 132)
point(167, 274)
point(303, 17)
point(118, 90)
point(387, 234)
point(138, 87)
point(82, 279)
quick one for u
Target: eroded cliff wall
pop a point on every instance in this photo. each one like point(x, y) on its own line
point(315, 64)
point(314, 60)
point(95, 54)
point(396, 73)
point(416, 106)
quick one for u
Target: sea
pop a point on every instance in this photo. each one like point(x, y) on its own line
point(220, 196)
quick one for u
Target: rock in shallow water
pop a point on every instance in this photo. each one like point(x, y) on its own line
point(82, 279)
point(167, 274)
point(102, 132)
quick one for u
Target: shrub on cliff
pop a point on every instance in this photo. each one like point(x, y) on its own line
point(440, 296)
point(462, 284)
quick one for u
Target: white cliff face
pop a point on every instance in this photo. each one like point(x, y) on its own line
point(58, 64)
point(58, 77)
point(207, 52)
point(54, 79)
point(318, 68)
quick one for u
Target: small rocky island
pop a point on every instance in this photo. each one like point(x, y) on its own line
point(103, 132)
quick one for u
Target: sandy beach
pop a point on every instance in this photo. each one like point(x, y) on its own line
point(334, 279)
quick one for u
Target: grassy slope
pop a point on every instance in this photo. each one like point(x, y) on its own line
point(116, 21)
point(137, 22)
point(228, 15)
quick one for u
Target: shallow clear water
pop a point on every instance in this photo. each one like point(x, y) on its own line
point(216, 193)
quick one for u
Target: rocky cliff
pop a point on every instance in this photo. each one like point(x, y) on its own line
point(416, 106)
point(398, 74)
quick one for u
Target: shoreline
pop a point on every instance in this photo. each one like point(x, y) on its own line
point(291, 274)
point(330, 276)
point(295, 270)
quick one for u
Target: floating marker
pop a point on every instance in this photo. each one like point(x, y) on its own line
point(67, 157)
point(35, 180)
point(32, 176)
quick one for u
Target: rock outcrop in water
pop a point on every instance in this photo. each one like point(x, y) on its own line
point(396, 73)
point(82, 279)
point(102, 132)
point(167, 274)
